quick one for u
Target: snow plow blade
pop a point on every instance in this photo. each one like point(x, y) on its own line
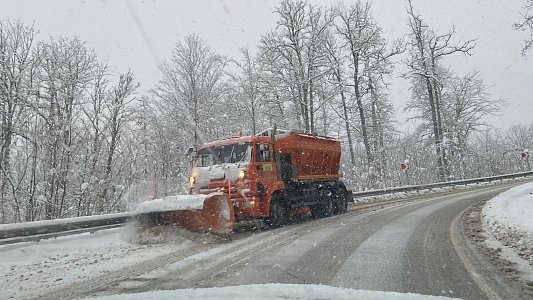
point(214, 215)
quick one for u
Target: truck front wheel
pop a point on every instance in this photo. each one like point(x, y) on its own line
point(278, 213)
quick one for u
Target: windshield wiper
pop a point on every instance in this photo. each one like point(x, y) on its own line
point(230, 155)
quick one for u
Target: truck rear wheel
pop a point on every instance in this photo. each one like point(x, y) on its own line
point(278, 213)
point(341, 203)
point(325, 208)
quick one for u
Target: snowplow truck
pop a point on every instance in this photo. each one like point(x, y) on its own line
point(275, 175)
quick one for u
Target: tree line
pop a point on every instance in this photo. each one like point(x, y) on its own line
point(77, 138)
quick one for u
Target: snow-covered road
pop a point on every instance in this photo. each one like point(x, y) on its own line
point(398, 248)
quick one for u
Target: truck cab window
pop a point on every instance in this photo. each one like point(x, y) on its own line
point(224, 154)
point(262, 153)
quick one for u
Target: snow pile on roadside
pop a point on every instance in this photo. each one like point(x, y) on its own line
point(509, 218)
point(273, 291)
point(172, 203)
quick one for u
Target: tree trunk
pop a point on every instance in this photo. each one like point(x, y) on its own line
point(375, 126)
point(436, 132)
point(360, 108)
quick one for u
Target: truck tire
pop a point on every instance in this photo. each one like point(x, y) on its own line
point(278, 213)
point(325, 208)
point(341, 202)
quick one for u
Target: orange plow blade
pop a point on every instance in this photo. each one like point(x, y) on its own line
point(215, 216)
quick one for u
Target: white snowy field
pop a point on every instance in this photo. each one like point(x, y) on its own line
point(508, 219)
point(272, 291)
point(30, 269)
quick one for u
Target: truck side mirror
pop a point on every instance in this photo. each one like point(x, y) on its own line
point(189, 152)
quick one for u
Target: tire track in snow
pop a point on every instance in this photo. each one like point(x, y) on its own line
point(219, 266)
point(111, 281)
point(203, 271)
point(316, 256)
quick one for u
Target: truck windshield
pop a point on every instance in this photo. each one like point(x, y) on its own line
point(235, 153)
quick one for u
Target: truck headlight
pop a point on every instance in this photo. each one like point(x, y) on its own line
point(242, 174)
point(192, 180)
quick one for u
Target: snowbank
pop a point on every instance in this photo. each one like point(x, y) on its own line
point(509, 218)
point(172, 203)
point(272, 291)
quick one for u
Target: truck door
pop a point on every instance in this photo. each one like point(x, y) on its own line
point(264, 165)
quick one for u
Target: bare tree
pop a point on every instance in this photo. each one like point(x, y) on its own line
point(382, 124)
point(192, 85)
point(159, 167)
point(67, 67)
point(94, 112)
point(339, 79)
point(368, 61)
point(466, 103)
point(519, 138)
point(294, 53)
point(17, 75)
point(119, 115)
point(248, 86)
point(65, 129)
point(426, 50)
point(526, 24)
point(359, 33)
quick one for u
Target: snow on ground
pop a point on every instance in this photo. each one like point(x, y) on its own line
point(272, 291)
point(508, 219)
point(29, 269)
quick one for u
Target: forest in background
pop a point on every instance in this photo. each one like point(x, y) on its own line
point(77, 138)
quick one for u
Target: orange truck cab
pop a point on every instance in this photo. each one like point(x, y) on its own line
point(273, 175)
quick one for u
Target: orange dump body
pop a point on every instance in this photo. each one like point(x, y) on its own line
point(314, 157)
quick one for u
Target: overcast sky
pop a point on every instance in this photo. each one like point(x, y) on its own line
point(138, 34)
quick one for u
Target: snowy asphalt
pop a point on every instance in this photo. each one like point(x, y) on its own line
point(404, 247)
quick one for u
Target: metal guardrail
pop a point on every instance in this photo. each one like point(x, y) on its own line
point(20, 232)
point(44, 236)
point(429, 186)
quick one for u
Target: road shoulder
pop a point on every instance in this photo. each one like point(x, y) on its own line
point(496, 276)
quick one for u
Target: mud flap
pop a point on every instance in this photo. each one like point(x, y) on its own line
point(217, 216)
